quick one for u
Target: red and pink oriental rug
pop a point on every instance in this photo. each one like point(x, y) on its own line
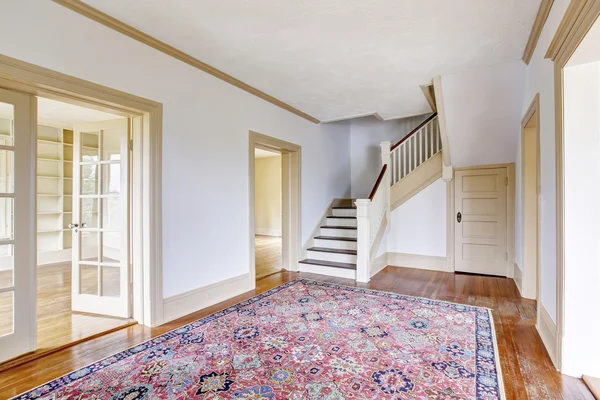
point(305, 340)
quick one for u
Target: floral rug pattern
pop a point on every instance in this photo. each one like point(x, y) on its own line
point(305, 340)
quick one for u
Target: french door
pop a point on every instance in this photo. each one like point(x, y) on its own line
point(100, 270)
point(17, 224)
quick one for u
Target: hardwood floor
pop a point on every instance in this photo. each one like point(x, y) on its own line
point(57, 324)
point(267, 254)
point(527, 369)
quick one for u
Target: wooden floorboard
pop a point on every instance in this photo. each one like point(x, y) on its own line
point(527, 370)
point(267, 250)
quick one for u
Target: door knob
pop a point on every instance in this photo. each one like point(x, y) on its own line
point(72, 225)
point(459, 217)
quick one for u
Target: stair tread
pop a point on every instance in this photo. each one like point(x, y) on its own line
point(333, 216)
point(328, 263)
point(344, 208)
point(339, 227)
point(337, 251)
point(341, 238)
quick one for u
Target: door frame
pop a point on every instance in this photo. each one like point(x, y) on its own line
point(578, 19)
point(291, 189)
point(531, 278)
point(510, 213)
point(146, 196)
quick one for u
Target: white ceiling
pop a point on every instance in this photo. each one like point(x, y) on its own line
point(336, 59)
point(588, 50)
point(68, 114)
point(260, 153)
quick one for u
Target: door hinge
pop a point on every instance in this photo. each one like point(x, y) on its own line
point(131, 145)
point(505, 181)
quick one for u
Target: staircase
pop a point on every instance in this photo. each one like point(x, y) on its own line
point(350, 232)
point(334, 252)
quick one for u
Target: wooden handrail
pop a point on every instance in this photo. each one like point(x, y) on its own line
point(379, 179)
point(418, 128)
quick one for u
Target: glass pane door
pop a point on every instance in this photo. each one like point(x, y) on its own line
point(17, 229)
point(100, 219)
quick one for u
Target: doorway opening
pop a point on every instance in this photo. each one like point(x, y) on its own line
point(528, 281)
point(278, 158)
point(82, 223)
point(267, 212)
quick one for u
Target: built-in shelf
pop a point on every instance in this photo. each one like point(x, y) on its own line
point(49, 195)
point(49, 141)
point(50, 213)
point(49, 159)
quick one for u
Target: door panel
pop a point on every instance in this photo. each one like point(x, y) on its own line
point(101, 271)
point(480, 235)
point(17, 224)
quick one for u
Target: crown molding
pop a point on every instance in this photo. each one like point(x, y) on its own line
point(96, 15)
point(536, 30)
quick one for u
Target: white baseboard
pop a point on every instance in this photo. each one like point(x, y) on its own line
point(547, 330)
point(267, 232)
point(194, 300)
point(54, 257)
point(518, 278)
point(380, 263)
point(432, 263)
point(329, 271)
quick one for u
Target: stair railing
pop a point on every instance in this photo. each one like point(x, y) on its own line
point(371, 217)
point(415, 148)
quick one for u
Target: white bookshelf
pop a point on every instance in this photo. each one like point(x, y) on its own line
point(54, 194)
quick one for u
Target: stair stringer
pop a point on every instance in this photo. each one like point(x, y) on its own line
point(427, 173)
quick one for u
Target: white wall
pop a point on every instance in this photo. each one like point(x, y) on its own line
point(205, 144)
point(366, 135)
point(540, 79)
point(483, 113)
point(419, 225)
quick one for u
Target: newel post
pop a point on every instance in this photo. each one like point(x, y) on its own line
point(386, 159)
point(363, 242)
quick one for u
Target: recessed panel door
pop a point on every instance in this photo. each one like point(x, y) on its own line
point(17, 224)
point(101, 269)
point(480, 221)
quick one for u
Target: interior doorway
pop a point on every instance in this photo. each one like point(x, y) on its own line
point(530, 193)
point(267, 212)
point(82, 223)
point(283, 158)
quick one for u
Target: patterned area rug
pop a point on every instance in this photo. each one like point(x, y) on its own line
point(306, 340)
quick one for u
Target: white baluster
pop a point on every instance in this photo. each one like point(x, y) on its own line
point(405, 158)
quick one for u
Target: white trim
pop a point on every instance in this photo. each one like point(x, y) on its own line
point(197, 299)
point(379, 263)
point(518, 278)
point(267, 232)
point(547, 330)
point(431, 263)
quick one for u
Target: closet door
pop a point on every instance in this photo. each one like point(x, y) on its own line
point(17, 224)
point(101, 269)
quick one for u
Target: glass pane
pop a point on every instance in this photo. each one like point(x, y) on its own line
point(111, 281)
point(111, 247)
point(111, 145)
point(7, 113)
point(89, 179)
point(89, 246)
point(111, 178)
point(89, 147)
point(6, 220)
point(7, 265)
point(111, 213)
point(88, 279)
point(7, 315)
point(89, 213)
point(7, 176)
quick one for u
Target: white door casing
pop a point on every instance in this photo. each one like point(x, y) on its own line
point(101, 273)
point(17, 217)
point(481, 235)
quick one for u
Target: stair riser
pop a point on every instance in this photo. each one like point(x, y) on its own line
point(329, 271)
point(349, 233)
point(335, 257)
point(341, 222)
point(335, 244)
point(344, 212)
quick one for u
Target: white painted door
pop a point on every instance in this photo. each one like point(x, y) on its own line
point(480, 221)
point(101, 269)
point(17, 224)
